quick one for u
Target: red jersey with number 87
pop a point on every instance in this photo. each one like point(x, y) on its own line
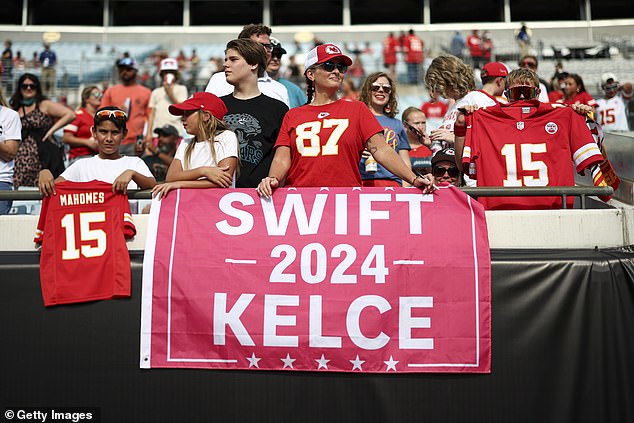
point(527, 143)
point(326, 143)
point(84, 256)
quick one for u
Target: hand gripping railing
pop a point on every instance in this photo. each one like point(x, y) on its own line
point(563, 192)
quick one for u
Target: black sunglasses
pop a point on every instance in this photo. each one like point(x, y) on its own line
point(28, 86)
point(440, 171)
point(375, 88)
point(330, 66)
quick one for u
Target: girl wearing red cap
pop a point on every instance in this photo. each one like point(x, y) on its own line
point(320, 143)
point(210, 158)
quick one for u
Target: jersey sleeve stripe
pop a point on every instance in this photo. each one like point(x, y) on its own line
point(70, 128)
point(587, 155)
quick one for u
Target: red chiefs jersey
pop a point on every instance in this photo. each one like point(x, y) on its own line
point(326, 143)
point(413, 47)
point(80, 127)
point(527, 143)
point(390, 48)
point(434, 109)
point(84, 256)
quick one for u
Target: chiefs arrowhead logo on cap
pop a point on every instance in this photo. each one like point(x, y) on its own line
point(332, 49)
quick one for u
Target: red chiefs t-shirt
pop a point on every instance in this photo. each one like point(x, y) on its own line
point(326, 143)
point(527, 143)
point(84, 256)
point(434, 110)
point(80, 127)
point(390, 47)
point(580, 98)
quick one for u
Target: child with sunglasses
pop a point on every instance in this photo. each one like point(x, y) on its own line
point(320, 143)
point(123, 172)
point(210, 159)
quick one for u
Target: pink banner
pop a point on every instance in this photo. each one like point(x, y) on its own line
point(318, 279)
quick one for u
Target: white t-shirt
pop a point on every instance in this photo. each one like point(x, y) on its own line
point(160, 101)
point(225, 144)
point(611, 114)
point(10, 129)
point(98, 169)
point(473, 98)
point(219, 86)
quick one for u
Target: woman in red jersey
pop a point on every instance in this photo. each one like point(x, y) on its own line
point(320, 143)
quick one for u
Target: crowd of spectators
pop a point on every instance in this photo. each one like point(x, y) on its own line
point(277, 146)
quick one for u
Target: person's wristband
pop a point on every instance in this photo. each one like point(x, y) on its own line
point(460, 130)
point(414, 180)
point(274, 177)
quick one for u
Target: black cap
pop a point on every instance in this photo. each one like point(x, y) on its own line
point(167, 130)
point(277, 50)
point(444, 155)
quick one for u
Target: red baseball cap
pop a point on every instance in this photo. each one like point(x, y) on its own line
point(201, 101)
point(323, 53)
point(494, 69)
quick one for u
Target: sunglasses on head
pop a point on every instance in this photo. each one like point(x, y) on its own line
point(521, 91)
point(28, 86)
point(330, 66)
point(440, 171)
point(112, 114)
point(375, 88)
point(529, 64)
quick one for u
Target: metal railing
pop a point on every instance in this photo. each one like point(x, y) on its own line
point(564, 192)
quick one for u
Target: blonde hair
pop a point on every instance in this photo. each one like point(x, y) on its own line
point(3, 102)
point(523, 76)
point(208, 130)
point(449, 72)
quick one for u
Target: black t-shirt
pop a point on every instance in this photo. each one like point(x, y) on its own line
point(256, 122)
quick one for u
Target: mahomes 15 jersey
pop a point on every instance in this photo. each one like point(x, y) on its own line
point(527, 144)
point(84, 256)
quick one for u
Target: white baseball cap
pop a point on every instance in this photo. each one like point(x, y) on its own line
point(606, 77)
point(323, 53)
point(168, 64)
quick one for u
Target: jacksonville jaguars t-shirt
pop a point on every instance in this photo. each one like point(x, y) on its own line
point(256, 122)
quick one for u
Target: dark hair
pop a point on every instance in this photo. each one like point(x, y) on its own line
point(16, 99)
point(254, 29)
point(390, 108)
point(310, 90)
point(488, 79)
point(252, 52)
point(120, 124)
point(578, 80)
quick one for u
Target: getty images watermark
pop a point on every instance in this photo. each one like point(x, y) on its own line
point(52, 414)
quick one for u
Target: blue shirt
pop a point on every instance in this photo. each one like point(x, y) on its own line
point(396, 138)
point(296, 97)
point(48, 58)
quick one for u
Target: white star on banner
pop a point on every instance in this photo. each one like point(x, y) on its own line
point(288, 361)
point(322, 362)
point(253, 361)
point(356, 363)
point(391, 364)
